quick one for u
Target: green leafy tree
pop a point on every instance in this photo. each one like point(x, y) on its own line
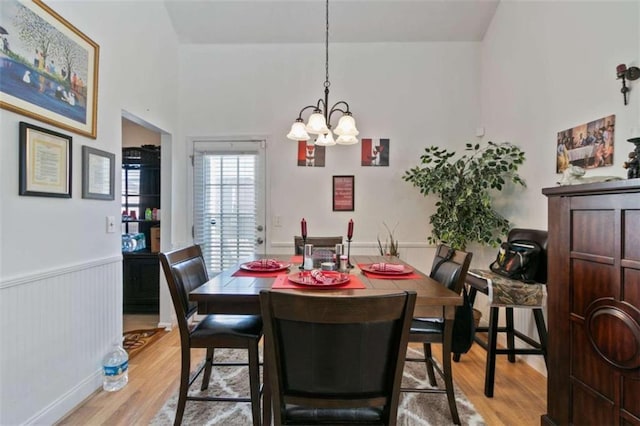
point(464, 211)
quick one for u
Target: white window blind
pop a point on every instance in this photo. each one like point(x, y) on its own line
point(226, 193)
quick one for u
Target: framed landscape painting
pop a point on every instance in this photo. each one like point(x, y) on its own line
point(48, 68)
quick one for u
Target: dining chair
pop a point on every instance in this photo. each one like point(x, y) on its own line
point(185, 270)
point(449, 268)
point(335, 359)
point(318, 242)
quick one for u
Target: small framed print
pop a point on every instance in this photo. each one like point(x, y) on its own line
point(45, 162)
point(343, 193)
point(98, 174)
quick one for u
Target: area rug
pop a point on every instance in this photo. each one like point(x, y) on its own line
point(136, 340)
point(416, 409)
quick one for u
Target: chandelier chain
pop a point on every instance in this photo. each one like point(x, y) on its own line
point(326, 47)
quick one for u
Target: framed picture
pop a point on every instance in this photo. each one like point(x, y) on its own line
point(48, 69)
point(375, 152)
point(310, 155)
point(45, 162)
point(98, 174)
point(343, 189)
point(589, 145)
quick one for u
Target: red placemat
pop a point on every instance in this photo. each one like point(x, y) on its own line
point(410, 276)
point(283, 282)
point(296, 260)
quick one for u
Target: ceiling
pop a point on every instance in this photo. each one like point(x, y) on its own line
point(351, 21)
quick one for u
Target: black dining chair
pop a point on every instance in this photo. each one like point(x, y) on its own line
point(335, 359)
point(328, 243)
point(450, 269)
point(185, 270)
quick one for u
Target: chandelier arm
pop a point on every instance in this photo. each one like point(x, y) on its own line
point(334, 109)
point(306, 108)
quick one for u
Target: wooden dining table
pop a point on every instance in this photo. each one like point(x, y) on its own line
point(228, 293)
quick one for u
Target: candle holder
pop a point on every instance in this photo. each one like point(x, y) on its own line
point(349, 265)
point(304, 243)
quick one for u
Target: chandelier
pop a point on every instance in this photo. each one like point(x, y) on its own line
point(320, 119)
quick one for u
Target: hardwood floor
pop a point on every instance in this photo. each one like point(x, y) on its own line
point(520, 391)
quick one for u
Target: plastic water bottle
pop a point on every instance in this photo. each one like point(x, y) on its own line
point(115, 368)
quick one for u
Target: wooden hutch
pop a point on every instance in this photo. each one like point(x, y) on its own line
point(594, 304)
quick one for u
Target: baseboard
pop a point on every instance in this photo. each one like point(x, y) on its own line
point(68, 401)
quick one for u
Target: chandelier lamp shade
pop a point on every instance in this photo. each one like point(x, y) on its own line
point(319, 122)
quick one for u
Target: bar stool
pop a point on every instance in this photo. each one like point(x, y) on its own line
point(477, 281)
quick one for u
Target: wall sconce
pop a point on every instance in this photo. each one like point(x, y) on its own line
point(624, 73)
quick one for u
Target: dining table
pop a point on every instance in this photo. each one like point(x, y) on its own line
point(236, 290)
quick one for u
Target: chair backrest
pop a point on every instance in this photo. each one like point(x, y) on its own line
point(540, 237)
point(318, 242)
point(450, 272)
point(185, 270)
point(314, 340)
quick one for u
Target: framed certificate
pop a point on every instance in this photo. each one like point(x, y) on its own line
point(45, 162)
point(98, 174)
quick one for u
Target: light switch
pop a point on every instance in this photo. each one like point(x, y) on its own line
point(111, 224)
point(277, 221)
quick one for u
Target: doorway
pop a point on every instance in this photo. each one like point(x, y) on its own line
point(140, 191)
point(229, 182)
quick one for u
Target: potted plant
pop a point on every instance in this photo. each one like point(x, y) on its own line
point(465, 213)
point(390, 246)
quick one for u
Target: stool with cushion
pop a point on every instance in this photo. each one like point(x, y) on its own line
point(335, 359)
point(451, 273)
point(477, 283)
point(185, 270)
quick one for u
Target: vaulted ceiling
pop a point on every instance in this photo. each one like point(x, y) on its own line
point(353, 21)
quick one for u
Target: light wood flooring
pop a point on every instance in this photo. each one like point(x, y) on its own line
point(520, 391)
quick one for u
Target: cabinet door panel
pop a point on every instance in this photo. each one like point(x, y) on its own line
point(591, 281)
point(591, 410)
point(586, 364)
point(593, 232)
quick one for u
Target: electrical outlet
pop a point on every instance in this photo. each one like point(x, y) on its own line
point(111, 224)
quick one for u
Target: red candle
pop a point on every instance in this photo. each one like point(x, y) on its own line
point(303, 225)
point(350, 229)
point(621, 69)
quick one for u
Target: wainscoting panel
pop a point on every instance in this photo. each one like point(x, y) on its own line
point(57, 326)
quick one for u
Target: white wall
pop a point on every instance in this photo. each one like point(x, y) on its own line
point(416, 94)
point(61, 273)
point(549, 66)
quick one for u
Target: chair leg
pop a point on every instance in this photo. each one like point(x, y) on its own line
point(511, 344)
point(492, 341)
point(184, 385)
point(428, 361)
point(206, 377)
point(448, 374)
point(542, 332)
point(254, 382)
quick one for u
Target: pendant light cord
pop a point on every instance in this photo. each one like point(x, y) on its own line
point(326, 47)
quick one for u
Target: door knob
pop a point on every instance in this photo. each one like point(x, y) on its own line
point(260, 228)
point(259, 240)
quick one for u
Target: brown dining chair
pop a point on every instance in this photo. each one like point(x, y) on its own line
point(315, 340)
point(318, 242)
point(185, 270)
point(450, 269)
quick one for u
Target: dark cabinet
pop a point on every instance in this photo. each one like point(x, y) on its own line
point(594, 304)
point(141, 276)
point(141, 191)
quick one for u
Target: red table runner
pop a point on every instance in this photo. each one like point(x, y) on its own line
point(282, 281)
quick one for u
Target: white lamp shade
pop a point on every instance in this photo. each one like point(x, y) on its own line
point(326, 139)
point(298, 132)
point(347, 126)
point(317, 124)
point(347, 140)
